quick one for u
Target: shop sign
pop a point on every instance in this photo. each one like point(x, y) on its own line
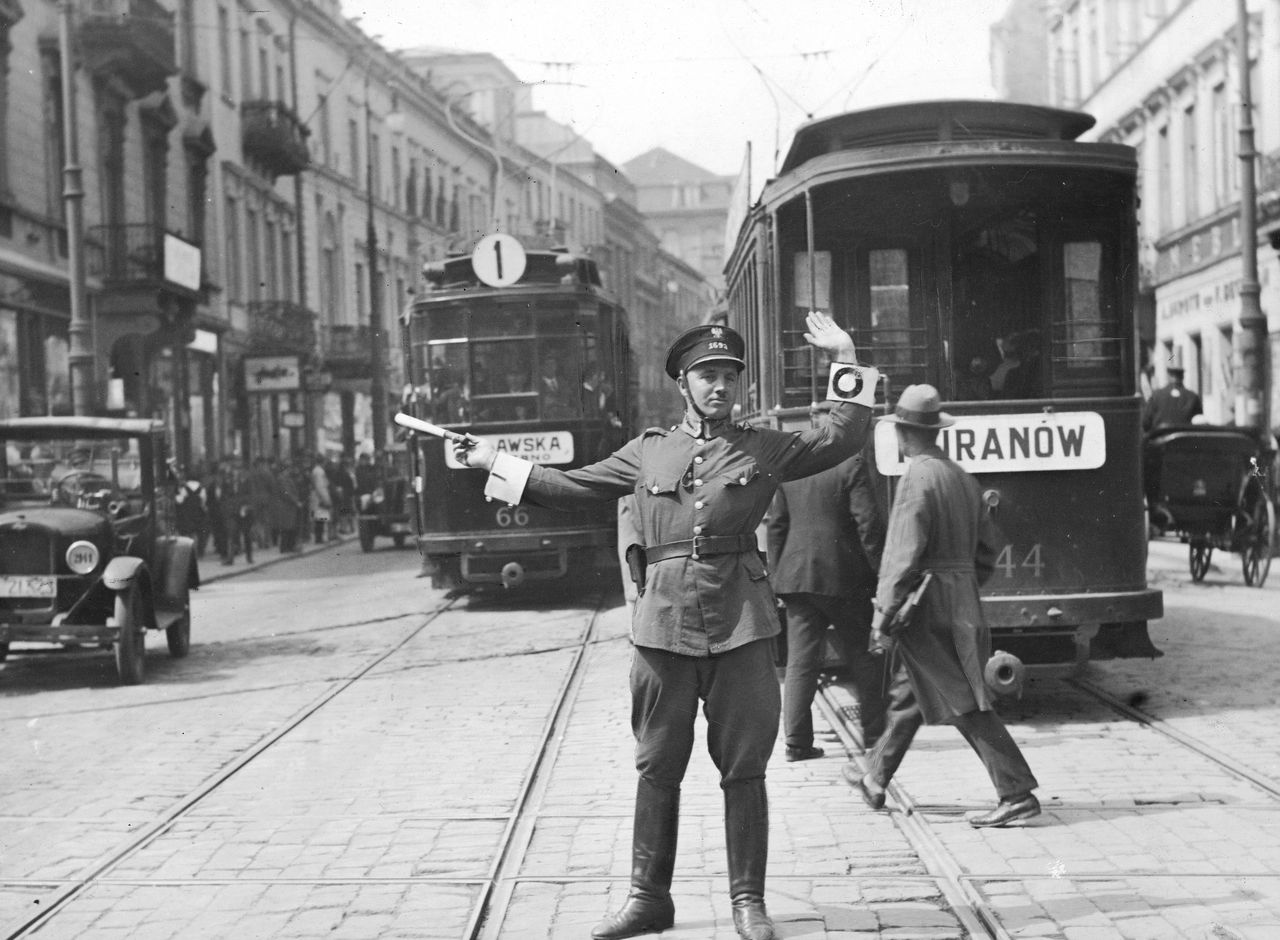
point(181, 262)
point(293, 419)
point(272, 374)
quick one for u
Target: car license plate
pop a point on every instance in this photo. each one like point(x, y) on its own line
point(24, 585)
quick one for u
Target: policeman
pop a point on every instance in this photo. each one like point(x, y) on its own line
point(703, 623)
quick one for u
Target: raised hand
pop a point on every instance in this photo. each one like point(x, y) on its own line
point(824, 333)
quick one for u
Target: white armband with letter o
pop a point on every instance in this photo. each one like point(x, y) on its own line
point(853, 383)
point(507, 478)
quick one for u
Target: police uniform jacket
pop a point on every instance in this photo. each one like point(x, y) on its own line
point(698, 481)
point(1170, 405)
point(938, 524)
point(826, 532)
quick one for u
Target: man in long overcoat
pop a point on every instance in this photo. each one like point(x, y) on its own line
point(704, 622)
point(825, 536)
point(938, 525)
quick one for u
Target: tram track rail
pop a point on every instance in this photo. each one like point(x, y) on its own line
point(70, 889)
point(963, 888)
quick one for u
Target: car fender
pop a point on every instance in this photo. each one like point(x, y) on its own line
point(122, 572)
point(177, 572)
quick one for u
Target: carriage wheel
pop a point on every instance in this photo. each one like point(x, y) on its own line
point(1201, 552)
point(1256, 557)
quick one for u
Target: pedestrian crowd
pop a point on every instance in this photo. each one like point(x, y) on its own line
point(237, 508)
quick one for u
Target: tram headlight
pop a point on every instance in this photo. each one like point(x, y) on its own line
point(991, 499)
point(82, 557)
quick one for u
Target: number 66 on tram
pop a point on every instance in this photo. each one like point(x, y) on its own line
point(981, 248)
point(528, 351)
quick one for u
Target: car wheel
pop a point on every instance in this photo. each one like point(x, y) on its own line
point(131, 644)
point(366, 537)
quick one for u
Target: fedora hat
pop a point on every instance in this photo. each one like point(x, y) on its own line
point(919, 406)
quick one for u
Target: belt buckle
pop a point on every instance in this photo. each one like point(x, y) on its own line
point(695, 554)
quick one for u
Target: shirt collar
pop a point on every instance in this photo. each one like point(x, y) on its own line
point(703, 429)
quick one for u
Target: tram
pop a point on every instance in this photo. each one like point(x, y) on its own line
point(980, 247)
point(528, 350)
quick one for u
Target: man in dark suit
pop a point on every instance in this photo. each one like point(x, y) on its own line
point(825, 535)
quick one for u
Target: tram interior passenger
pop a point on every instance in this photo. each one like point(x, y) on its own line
point(996, 287)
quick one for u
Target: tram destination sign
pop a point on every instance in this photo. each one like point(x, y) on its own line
point(1017, 443)
point(544, 447)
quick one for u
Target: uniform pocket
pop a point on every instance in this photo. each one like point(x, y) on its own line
point(741, 475)
point(655, 486)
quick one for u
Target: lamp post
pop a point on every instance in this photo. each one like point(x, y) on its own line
point(1251, 335)
point(377, 345)
point(80, 330)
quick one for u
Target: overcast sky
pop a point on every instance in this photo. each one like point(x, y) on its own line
point(703, 77)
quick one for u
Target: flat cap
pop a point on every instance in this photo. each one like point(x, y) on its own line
point(703, 343)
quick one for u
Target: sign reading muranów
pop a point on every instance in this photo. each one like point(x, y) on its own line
point(1017, 443)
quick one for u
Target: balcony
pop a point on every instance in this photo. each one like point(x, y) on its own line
point(132, 40)
point(281, 327)
point(274, 138)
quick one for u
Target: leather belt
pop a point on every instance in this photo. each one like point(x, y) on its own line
point(700, 546)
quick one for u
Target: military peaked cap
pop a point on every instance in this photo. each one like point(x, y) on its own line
point(703, 343)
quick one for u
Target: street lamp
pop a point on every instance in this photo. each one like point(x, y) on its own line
point(377, 340)
point(80, 330)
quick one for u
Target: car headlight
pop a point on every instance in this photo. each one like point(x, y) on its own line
point(82, 557)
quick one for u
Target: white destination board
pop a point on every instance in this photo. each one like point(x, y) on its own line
point(545, 447)
point(1019, 443)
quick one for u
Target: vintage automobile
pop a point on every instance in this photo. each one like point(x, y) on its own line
point(385, 508)
point(88, 549)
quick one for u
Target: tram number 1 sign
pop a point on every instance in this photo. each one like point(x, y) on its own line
point(498, 260)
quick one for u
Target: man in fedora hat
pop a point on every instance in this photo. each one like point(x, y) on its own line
point(938, 526)
point(705, 617)
point(1172, 404)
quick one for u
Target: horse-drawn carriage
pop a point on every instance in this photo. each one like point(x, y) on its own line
point(1211, 485)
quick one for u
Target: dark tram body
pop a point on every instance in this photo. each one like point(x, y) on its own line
point(541, 367)
point(979, 247)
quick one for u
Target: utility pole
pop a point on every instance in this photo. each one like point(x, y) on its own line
point(80, 331)
point(1251, 334)
point(378, 358)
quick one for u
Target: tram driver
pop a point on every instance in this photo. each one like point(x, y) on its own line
point(705, 618)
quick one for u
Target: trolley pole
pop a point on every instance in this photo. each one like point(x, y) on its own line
point(80, 330)
point(1251, 337)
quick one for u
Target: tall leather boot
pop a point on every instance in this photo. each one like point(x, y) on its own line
point(746, 829)
point(648, 907)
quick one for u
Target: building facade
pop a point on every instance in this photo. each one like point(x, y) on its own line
point(1164, 77)
point(687, 206)
point(261, 186)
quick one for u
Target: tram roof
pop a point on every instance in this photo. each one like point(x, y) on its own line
point(931, 122)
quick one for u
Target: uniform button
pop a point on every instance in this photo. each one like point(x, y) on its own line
point(698, 459)
point(697, 530)
point(697, 482)
point(699, 441)
point(655, 489)
point(742, 480)
point(698, 504)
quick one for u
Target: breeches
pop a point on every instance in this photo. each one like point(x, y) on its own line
point(741, 702)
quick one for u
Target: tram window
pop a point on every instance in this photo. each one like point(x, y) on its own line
point(501, 321)
point(1087, 341)
point(447, 323)
point(448, 377)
